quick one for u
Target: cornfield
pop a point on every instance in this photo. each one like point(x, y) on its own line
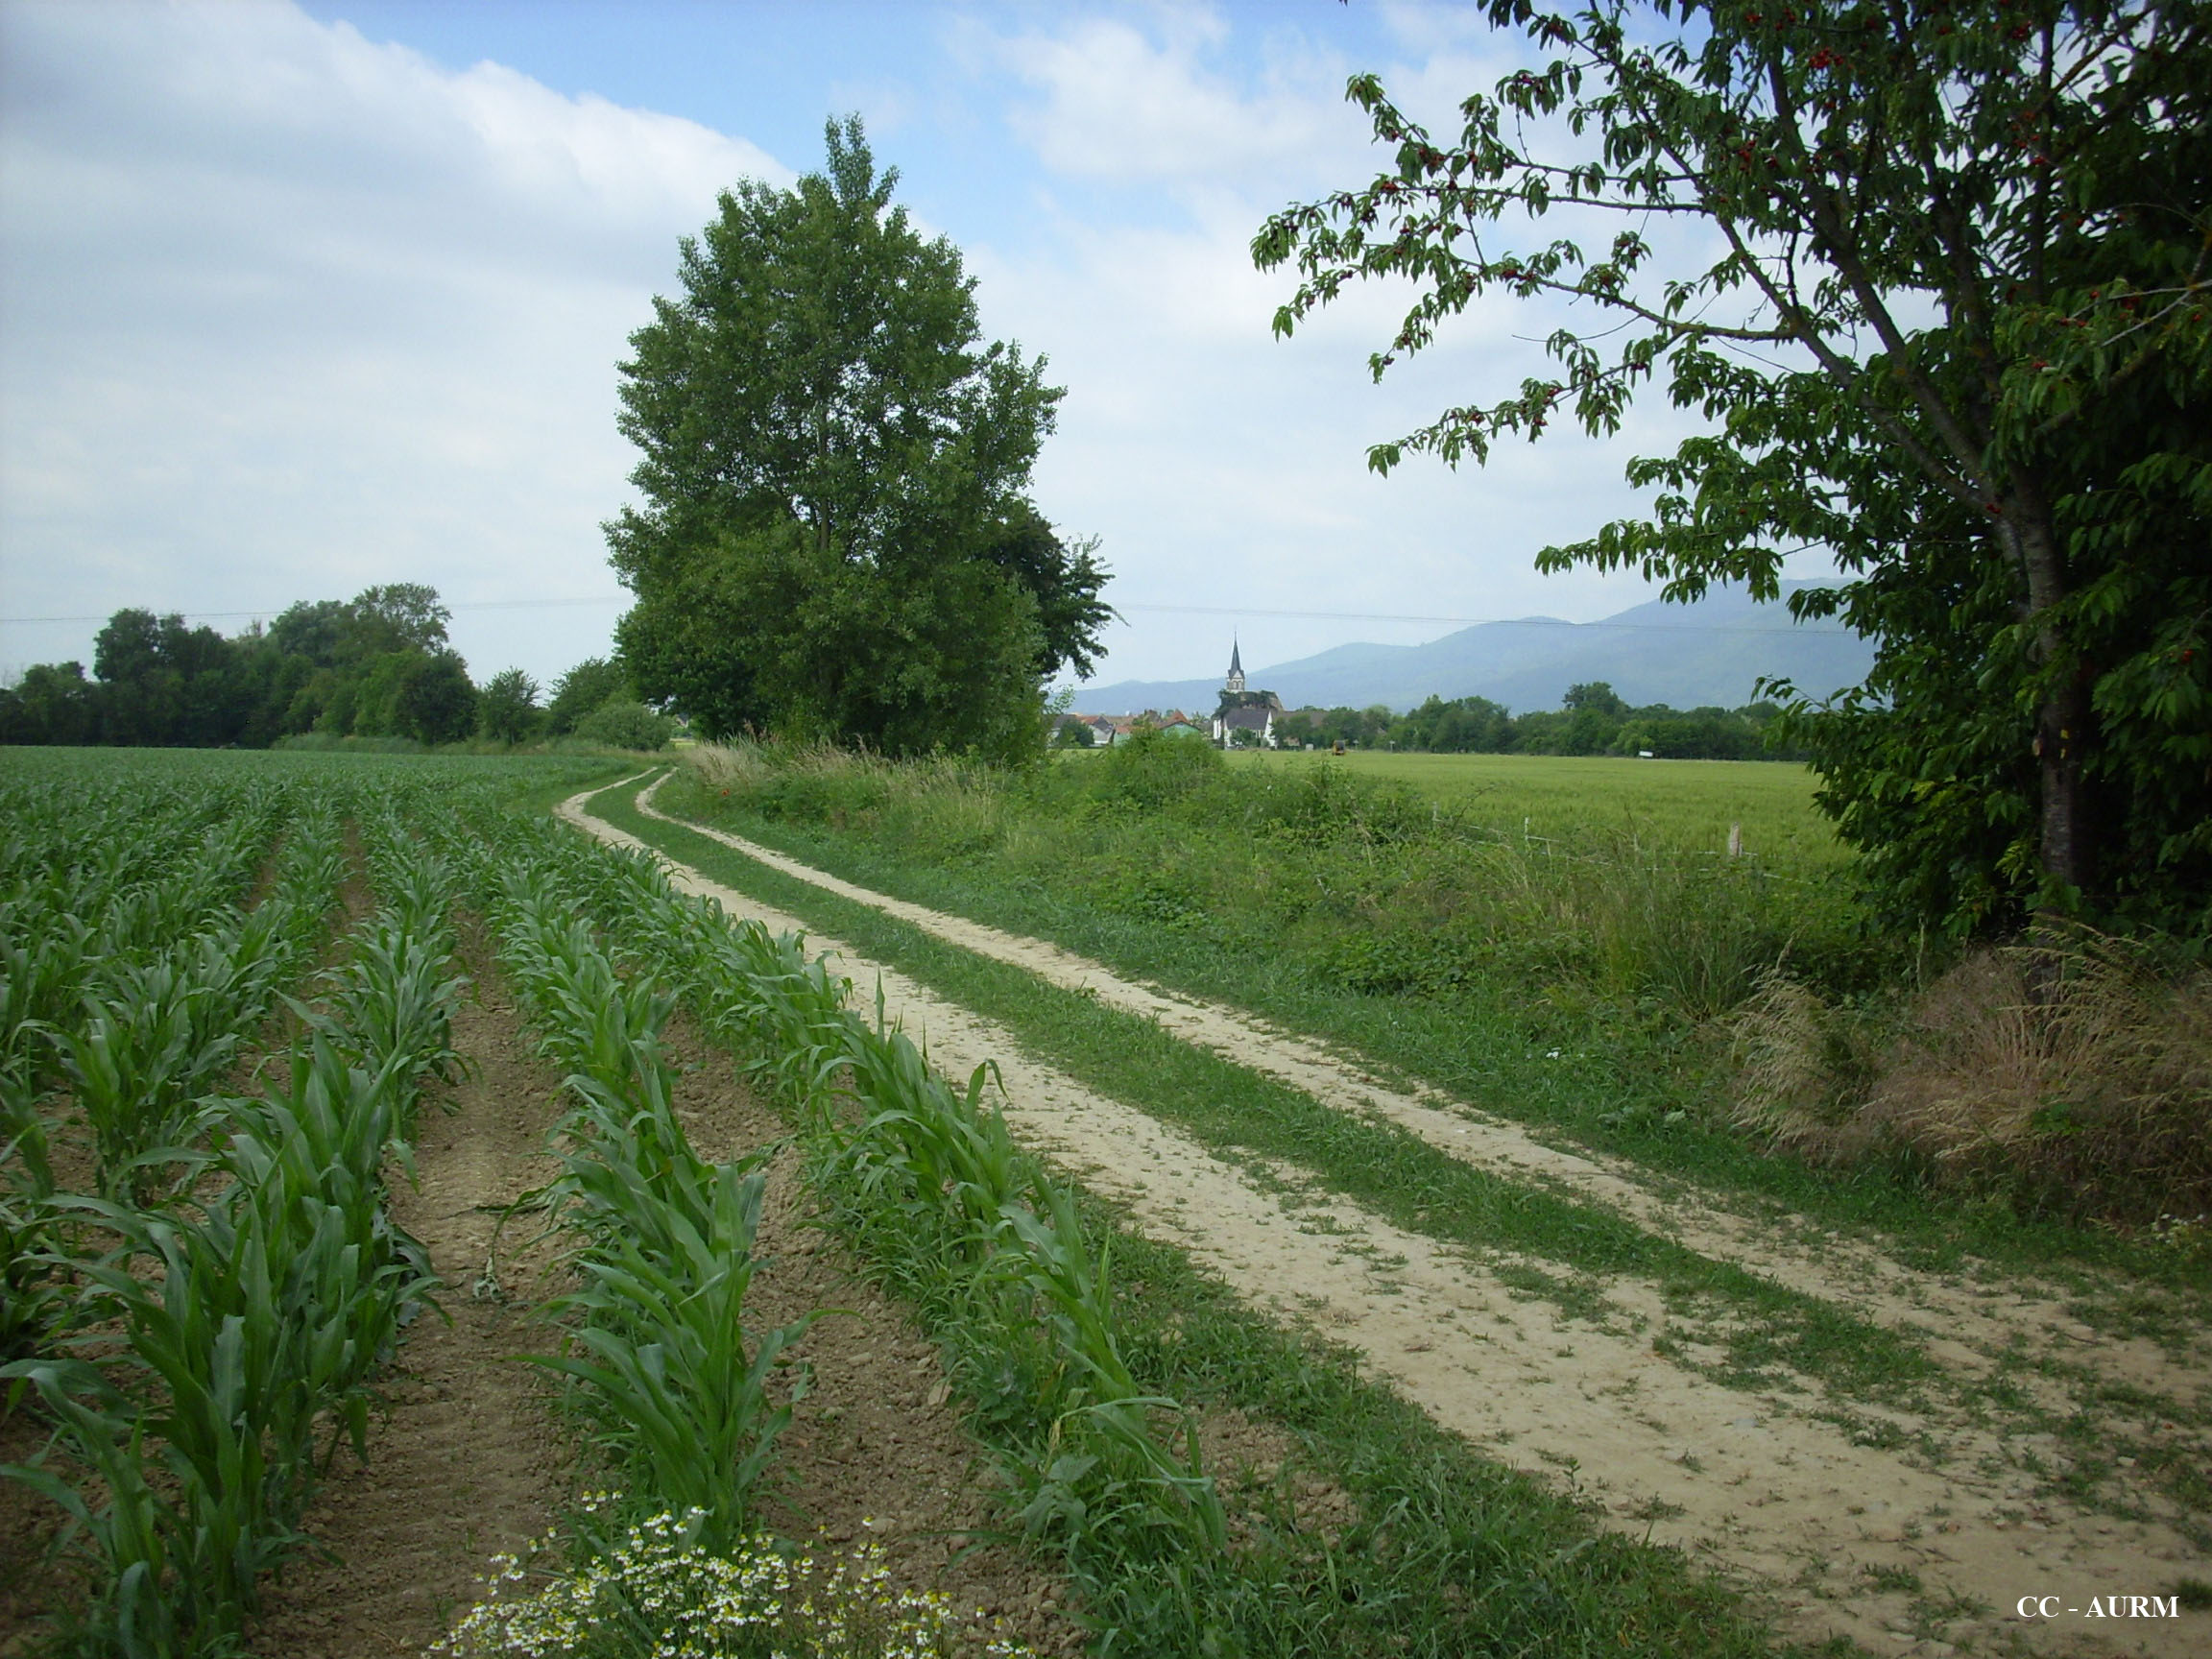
point(207, 1085)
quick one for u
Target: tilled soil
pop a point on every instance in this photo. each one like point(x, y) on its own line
point(466, 1456)
point(1912, 1528)
point(32, 1588)
point(469, 1454)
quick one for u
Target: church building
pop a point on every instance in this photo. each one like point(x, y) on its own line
point(1243, 710)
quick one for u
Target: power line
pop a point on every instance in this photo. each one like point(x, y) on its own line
point(232, 615)
point(1795, 631)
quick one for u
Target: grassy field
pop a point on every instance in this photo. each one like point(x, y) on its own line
point(1685, 806)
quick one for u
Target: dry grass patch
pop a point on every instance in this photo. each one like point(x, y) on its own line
point(2075, 1069)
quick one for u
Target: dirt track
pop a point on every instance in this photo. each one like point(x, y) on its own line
point(1919, 1543)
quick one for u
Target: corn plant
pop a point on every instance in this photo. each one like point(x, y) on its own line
point(948, 1167)
point(32, 1282)
point(392, 1008)
point(663, 1352)
point(667, 1358)
point(133, 1532)
point(43, 970)
point(257, 1332)
point(590, 1018)
point(137, 1063)
point(250, 1321)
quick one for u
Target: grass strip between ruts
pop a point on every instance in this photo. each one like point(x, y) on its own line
point(1400, 1177)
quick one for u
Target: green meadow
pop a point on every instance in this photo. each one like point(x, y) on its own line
point(1682, 805)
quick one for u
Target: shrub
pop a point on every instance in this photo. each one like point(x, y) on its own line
point(1151, 771)
point(620, 725)
point(328, 743)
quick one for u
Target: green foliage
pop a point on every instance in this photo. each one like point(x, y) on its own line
point(1355, 728)
point(261, 1322)
point(678, 1385)
point(53, 703)
point(1596, 721)
point(621, 725)
point(240, 1320)
point(376, 667)
point(1149, 770)
point(1974, 236)
point(591, 685)
point(834, 543)
point(507, 707)
point(432, 699)
point(1045, 1328)
point(1064, 578)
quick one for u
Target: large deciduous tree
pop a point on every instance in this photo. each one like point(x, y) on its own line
point(835, 538)
point(507, 707)
point(1953, 331)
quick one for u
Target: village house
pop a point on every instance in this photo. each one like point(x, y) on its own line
point(1239, 710)
point(1243, 710)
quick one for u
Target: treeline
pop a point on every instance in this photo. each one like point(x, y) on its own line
point(378, 665)
point(1595, 721)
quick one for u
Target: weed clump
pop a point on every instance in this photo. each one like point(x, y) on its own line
point(2073, 1073)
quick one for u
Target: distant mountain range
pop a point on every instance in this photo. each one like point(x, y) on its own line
point(1686, 656)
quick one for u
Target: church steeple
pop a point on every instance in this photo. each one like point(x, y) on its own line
point(1235, 681)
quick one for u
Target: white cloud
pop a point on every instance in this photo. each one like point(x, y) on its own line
point(284, 313)
point(1226, 468)
point(1118, 102)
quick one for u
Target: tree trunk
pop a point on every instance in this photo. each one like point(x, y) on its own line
point(2069, 830)
point(2065, 723)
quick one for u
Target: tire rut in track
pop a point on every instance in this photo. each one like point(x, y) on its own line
point(1877, 1542)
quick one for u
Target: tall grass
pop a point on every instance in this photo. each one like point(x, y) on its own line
point(2072, 1074)
point(1357, 881)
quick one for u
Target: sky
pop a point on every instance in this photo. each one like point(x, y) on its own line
point(300, 298)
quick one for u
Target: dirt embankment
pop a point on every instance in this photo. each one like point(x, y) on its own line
point(1912, 1528)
